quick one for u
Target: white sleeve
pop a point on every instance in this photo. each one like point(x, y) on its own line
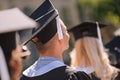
point(3, 67)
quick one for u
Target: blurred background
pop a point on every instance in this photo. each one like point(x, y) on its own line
point(72, 13)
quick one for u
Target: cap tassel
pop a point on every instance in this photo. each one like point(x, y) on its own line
point(59, 29)
point(99, 36)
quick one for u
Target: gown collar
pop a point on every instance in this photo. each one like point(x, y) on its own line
point(42, 66)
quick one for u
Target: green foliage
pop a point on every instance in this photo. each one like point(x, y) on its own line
point(108, 11)
point(102, 10)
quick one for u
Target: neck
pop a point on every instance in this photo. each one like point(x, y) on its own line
point(57, 53)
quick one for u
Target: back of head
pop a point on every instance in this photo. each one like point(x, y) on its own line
point(79, 53)
point(89, 49)
point(50, 25)
point(52, 43)
point(85, 48)
point(86, 29)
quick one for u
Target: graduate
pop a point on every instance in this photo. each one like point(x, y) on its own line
point(11, 52)
point(51, 39)
point(113, 47)
point(89, 55)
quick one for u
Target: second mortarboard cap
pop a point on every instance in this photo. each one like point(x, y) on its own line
point(49, 23)
point(86, 29)
point(13, 20)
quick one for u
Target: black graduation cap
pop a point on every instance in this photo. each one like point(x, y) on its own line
point(113, 47)
point(86, 29)
point(11, 21)
point(46, 15)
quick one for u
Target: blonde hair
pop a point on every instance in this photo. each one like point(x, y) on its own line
point(89, 48)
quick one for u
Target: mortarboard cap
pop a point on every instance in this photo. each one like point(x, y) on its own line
point(11, 21)
point(14, 20)
point(86, 29)
point(114, 45)
point(47, 17)
point(49, 23)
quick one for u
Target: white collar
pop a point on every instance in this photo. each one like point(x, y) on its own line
point(31, 71)
point(87, 70)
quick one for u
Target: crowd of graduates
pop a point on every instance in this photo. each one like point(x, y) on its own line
point(45, 28)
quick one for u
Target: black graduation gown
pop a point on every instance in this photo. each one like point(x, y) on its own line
point(89, 70)
point(94, 77)
point(118, 76)
point(60, 73)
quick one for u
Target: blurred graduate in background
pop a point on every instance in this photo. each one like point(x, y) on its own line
point(89, 55)
point(11, 50)
point(113, 47)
